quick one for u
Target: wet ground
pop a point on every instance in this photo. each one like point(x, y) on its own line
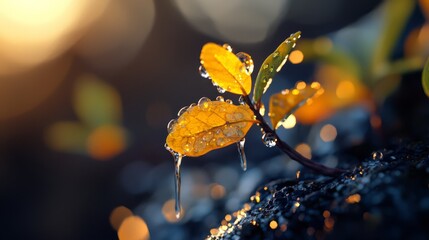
point(386, 196)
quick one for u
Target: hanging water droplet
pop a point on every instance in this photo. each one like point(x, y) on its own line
point(227, 47)
point(240, 146)
point(204, 102)
point(229, 101)
point(182, 110)
point(177, 183)
point(220, 90)
point(203, 72)
point(171, 124)
point(269, 140)
point(241, 100)
point(220, 98)
point(377, 155)
point(247, 61)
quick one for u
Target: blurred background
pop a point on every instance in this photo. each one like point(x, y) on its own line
point(88, 87)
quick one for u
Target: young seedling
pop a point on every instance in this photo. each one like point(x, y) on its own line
point(209, 125)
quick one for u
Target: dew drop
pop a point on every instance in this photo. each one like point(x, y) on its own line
point(220, 90)
point(269, 140)
point(276, 54)
point(243, 159)
point(204, 102)
point(203, 72)
point(229, 101)
point(227, 47)
point(171, 125)
point(377, 155)
point(182, 110)
point(247, 61)
point(241, 100)
point(262, 109)
point(220, 99)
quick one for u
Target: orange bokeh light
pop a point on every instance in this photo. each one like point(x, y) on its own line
point(106, 141)
point(133, 228)
point(118, 215)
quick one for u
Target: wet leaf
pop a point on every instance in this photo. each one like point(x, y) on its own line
point(272, 65)
point(225, 69)
point(285, 103)
point(425, 78)
point(96, 103)
point(209, 126)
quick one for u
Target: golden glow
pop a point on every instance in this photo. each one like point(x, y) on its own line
point(290, 122)
point(273, 224)
point(328, 133)
point(32, 32)
point(296, 57)
point(304, 149)
point(214, 231)
point(217, 191)
point(106, 141)
point(169, 212)
point(118, 215)
point(133, 228)
point(345, 89)
point(355, 198)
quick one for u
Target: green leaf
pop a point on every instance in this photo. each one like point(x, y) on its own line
point(425, 78)
point(67, 137)
point(272, 65)
point(396, 13)
point(96, 103)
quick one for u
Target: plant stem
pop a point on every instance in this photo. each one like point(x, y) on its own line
point(292, 153)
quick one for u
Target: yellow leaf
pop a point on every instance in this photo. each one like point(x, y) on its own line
point(286, 102)
point(225, 69)
point(208, 126)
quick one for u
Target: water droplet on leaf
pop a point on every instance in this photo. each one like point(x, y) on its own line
point(204, 102)
point(269, 140)
point(203, 72)
point(247, 61)
point(171, 125)
point(220, 90)
point(241, 100)
point(182, 110)
point(220, 98)
point(227, 47)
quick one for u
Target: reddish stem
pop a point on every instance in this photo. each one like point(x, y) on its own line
point(292, 153)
